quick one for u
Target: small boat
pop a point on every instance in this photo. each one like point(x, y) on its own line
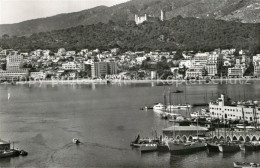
point(148, 107)
point(76, 141)
point(179, 106)
point(159, 106)
point(148, 147)
point(245, 165)
point(178, 91)
point(23, 153)
point(229, 147)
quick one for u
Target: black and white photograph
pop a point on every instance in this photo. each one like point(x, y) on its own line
point(130, 83)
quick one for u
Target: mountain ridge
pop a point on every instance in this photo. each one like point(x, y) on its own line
point(245, 11)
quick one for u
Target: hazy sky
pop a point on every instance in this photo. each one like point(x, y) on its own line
point(14, 11)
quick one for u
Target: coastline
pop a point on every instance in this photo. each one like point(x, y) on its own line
point(158, 81)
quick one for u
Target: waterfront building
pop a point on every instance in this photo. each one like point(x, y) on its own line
point(101, 69)
point(72, 66)
point(184, 132)
point(14, 62)
point(14, 70)
point(38, 75)
point(200, 60)
point(14, 74)
point(223, 108)
point(194, 72)
point(237, 71)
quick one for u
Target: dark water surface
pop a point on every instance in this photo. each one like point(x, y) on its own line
point(43, 120)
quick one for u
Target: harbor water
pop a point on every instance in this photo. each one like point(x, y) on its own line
point(43, 120)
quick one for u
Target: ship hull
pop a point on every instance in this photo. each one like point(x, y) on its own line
point(213, 147)
point(229, 148)
point(183, 149)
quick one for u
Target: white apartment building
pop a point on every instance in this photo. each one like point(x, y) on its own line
point(185, 63)
point(38, 75)
point(72, 66)
point(222, 109)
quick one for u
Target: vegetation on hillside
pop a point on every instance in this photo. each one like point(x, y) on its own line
point(176, 34)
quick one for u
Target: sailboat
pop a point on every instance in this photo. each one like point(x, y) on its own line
point(249, 146)
point(213, 146)
point(228, 147)
point(180, 147)
point(8, 96)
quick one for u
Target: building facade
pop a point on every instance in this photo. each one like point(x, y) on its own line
point(101, 69)
point(149, 18)
point(223, 109)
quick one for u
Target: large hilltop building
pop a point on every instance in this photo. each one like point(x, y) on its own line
point(149, 18)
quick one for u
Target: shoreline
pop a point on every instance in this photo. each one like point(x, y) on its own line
point(172, 81)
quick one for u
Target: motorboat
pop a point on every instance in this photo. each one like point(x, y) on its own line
point(179, 106)
point(76, 141)
point(245, 165)
point(178, 91)
point(159, 106)
point(148, 147)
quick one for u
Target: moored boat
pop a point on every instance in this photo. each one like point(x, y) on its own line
point(179, 147)
point(229, 147)
point(148, 147)
point(159, 106)
point(212, 147)
point(9, 153)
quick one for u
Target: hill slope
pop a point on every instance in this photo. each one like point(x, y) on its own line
point(247, 11)
point(178, 33)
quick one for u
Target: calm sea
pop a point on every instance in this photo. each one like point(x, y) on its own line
point(43, 120)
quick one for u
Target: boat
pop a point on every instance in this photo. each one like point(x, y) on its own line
point(135, 141)
point(9, 153)
point(159, 106)
point(245, 165)
point(76, 141)
point(229, 147)
point(212, 147)
point(148, 107)
point(179, 106)
point(178, 91)
point(250, 146)
point(179, 147)
point(23, 153)
point(148, 147)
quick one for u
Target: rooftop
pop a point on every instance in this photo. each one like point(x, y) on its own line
point(185, 128)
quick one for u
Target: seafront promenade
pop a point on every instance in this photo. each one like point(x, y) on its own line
point(158, 81)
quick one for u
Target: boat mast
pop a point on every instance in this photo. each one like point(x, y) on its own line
point(243, 114)
point(170, 100)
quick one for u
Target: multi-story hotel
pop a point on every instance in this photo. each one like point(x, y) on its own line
point(223, 108)
point(14, 70)
point(101, 69)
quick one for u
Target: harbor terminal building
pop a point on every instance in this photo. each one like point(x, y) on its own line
point(224, 108)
